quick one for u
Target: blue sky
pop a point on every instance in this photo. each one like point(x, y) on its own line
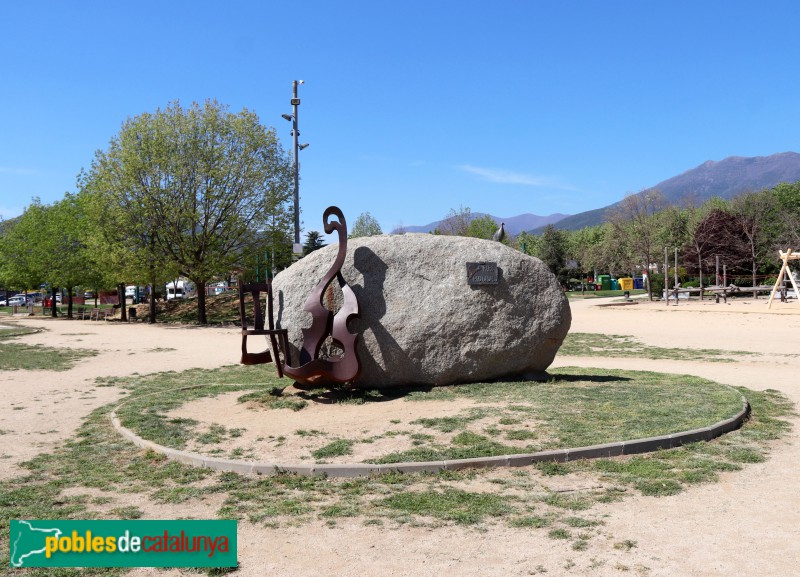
point(413, 108)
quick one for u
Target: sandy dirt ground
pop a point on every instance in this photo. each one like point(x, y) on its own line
point(748, 523)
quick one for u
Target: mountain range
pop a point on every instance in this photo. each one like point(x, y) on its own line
point(514, 224)
point(724, 178)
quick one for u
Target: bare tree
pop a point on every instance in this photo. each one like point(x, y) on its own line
point(755, 213)
point(635, 223)
point(456, 223)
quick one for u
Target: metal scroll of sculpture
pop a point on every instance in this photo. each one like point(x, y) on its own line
point(345, 367)
point(313, 368)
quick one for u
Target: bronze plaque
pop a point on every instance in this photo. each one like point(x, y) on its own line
point(481, 273)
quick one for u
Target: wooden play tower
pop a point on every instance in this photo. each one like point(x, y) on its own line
point(787, 256)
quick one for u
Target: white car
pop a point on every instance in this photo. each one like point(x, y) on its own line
point(17, 301)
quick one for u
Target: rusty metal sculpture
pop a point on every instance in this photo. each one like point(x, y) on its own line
point(346, 367)
point(313, 369)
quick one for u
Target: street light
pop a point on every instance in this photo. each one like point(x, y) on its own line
point(295, 102)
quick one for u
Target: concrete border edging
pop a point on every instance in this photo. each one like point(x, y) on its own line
point(632, 447)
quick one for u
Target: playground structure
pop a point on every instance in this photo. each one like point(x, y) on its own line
point(787, 256)
point(717, 291)
point(722, 290)
point(314, 368)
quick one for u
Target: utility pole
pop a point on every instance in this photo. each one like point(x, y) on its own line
point(297, 147)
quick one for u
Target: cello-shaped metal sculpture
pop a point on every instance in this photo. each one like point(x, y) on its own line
point(344, 368)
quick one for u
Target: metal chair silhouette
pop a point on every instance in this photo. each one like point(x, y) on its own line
point(255, 289)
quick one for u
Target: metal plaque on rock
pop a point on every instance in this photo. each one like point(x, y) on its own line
point(479, 273)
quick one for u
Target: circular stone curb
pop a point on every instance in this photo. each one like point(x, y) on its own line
point(606, 450)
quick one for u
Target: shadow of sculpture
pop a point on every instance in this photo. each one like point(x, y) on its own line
point(373, 309)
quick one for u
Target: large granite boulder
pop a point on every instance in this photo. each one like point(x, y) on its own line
point(421, 323)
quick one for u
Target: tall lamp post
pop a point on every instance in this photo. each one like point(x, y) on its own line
point(295, 102)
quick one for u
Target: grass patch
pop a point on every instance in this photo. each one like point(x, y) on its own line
point(455, 505)
point(97, 458)
point(273, 398)
point(155, 395)
point(599, 345)
point(580, 523)
point(569, 502)
point(559, 533)
point(576, 407)
point(19, 356)
point(521, 435)
point(8, 332)
point(530, 522)
point(589, 294)
point(336, 448)
point(625, 545)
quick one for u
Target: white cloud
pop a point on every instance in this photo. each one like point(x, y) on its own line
point(508, 177)
point(17, 171)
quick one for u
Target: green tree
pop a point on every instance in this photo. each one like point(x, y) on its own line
point(611, 253)
point(365, 225)
point(198, 184)
point(482, 227)
point(47, 245)
point(313, 242)
point(581, 249)
point(17, 269)
point(122, 236)
point(787, 196)
point(552, 251)
point(673, 227)
point(527, 243)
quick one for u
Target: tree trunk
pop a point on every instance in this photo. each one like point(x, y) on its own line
point(700, 270)
point(152, 316)
point(53, 303)
point(69, 303)
point(201, 302)
point(122, 302)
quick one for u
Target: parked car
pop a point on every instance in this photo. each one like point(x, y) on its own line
point(184, 289)
point(35, 298)
point(88, 295)
point(18, 301)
